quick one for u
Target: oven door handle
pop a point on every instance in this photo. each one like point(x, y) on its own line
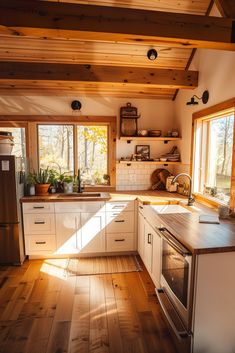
point(179, 334)
point(174, 243)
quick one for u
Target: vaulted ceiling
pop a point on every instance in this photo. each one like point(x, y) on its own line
point(97, 47)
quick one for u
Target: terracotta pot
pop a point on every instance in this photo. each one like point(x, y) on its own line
point(41, 189)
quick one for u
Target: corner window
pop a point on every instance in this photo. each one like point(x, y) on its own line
point(213, 155)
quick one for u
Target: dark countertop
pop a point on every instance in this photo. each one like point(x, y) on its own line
point(104, 196)
point(198, 237)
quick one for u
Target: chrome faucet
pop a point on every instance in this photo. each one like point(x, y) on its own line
point(190, 196)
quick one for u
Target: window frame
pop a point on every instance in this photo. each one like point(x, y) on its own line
point(204, 115)
point(30, 122)
point(14, 124)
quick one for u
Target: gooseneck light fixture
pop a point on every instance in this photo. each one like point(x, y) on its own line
point(152, 54)
point(204, 98)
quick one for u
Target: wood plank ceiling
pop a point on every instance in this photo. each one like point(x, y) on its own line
point(41, 57)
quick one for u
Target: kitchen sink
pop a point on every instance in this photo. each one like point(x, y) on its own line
point(164, 209)
point(80, 195)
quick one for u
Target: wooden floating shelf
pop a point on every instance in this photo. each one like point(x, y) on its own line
point(148, 138)
point(150, 162)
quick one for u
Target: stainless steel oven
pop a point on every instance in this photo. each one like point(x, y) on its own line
point(175, 294)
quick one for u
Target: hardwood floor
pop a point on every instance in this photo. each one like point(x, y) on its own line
point(43, 309)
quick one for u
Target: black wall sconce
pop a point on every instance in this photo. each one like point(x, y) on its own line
point(204, 98)
point(152, 54)
point(76, 105)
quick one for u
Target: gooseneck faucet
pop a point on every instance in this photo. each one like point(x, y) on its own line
point(190, 196)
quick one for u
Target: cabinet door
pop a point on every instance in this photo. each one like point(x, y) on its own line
point(141, 235)
point(93, 232)
point(148, 240)
point(67, 226)
point(156, 259)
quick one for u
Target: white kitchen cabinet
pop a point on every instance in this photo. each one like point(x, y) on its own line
point(141, 222)
point(120, 226)
point(149, 246)
point(39, 223)
point(39, 228)
point(92, 232)
point(67, 227)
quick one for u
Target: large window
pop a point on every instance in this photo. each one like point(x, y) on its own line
point(92, 153)
point(213, 155)
point(56, 147)
point(67, 148)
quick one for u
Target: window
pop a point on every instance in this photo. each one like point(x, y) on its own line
point(213, 155)
point(92, 153)
point(56, 147)
point(89, 147)
point(19, 149)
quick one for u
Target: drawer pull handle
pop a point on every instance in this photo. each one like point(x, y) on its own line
point(121, 206)
point(36, 207)
point(121, 221)
point(119, 239)
point(149, 238)
point(39, 222)
point(40, 242)
point(141, 207)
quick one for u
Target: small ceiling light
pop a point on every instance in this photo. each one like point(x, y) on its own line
point(152, 54)
point(76, 105)
point(204, 98)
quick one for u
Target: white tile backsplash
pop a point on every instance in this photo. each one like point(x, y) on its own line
point(135, 177)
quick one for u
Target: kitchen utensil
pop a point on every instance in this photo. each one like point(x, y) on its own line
point(155, 133)
point(158, 179)
point(142, 133)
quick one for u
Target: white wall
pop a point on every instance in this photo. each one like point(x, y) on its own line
point(217, 75)
point(155, 114)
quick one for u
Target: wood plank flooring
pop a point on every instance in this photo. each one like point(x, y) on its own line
point(43, 310)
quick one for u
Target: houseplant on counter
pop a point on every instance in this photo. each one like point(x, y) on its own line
point(42, 180)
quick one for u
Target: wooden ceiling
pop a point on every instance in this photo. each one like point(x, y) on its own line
point(68, 47)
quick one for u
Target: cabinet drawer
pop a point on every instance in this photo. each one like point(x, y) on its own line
point(38, 207)
point(64, 207)
point(120, 206)
point(120, 242)
point(37, 244)
point(39, 224)
point(119, 222)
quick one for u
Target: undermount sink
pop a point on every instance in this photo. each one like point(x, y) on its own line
point(80, 195)
point(164, 209)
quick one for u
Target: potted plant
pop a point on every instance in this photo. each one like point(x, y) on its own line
point(67, 181)
point(42, 180)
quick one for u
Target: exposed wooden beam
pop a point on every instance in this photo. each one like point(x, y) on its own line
point(158, 78)
point(226, 8)
point(75, 21)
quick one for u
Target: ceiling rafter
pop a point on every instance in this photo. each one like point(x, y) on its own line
point(146, 77)
point(54, 19)
point(226, 8)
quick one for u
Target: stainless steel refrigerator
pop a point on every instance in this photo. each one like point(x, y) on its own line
point(12, 174)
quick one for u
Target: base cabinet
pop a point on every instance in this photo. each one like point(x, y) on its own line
point(91, 236)
point(149, 247)
point(67, 226)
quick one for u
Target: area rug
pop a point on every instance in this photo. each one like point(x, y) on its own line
point(102, 265)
